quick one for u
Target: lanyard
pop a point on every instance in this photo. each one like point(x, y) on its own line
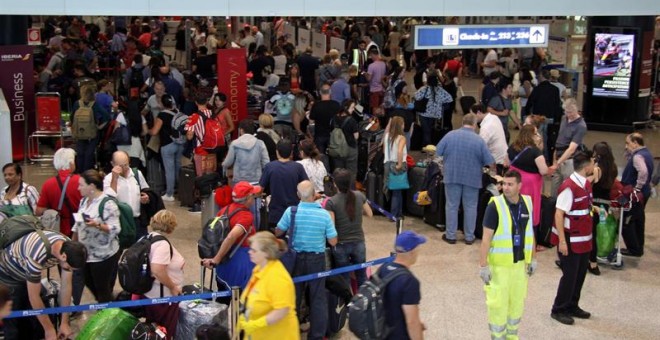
point(516, 218)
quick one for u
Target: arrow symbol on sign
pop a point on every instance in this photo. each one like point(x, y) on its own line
point(537, 34)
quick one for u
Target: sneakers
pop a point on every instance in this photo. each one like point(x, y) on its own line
point(563, 318)
point(626, 252)
point(580, 313)
point(196, 208)
point(167, 198)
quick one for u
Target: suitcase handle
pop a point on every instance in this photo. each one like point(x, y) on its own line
point(202, 277)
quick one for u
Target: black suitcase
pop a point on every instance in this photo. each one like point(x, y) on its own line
point(363, 159)
point(466, 103)
point(155, 175)
point(186, 188)
point(416, 139)
point(436, 216)
point(544, 230)
point(375, 189)
point(337, 314)
point(416, 180)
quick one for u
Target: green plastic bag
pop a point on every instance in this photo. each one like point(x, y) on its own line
point(607, 233)
point(108, 324)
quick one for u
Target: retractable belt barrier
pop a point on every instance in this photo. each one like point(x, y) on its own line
point(177, 299)
point(382, 210)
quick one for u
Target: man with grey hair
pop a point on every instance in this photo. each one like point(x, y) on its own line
point(340, 90)
point(322, 113)
point(569, 139)
point(312, 226)
point(125, 184)
point(60, 194)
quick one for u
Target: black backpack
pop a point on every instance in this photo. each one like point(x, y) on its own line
point(214, 233)
point(134, 269)
point(366, 312)
point(137, 78)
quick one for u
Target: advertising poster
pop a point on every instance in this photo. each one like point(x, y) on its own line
point(303, 39)
point(338, 43)
point(290, 33)
point(17, 83)
point(232, 81)
point(48, 112)
point(646, 71)
point(318, 44)
point(612, 65)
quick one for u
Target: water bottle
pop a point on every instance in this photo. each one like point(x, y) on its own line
point(144, 269)
point(602, 214)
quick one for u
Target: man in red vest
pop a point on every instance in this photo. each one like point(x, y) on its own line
point(572, 234)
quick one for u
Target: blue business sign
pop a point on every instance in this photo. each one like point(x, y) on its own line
point(481, 36)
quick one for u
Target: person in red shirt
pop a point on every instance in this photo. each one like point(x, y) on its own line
point(64, 161)
point(455, 67)
point(145, 37)
point(236, 270)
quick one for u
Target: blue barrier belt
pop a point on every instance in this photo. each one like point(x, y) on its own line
point(382, 210)
point(177, 299)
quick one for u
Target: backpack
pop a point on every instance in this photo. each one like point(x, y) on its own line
point(83, 126)
point(366, 312)
point(134, 269)
point(13, 228)
point(214, 233)
point(284, 105)
point(390, 95)
point(214, 134)
point(178, 124)
point(126, 221)
point(338, 147)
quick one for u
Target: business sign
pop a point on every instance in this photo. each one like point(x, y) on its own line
point(646, 71)
point(304, 39)
point(17, 83)
point(338, 44)
point(34, 36)
point(232, 81)
point(481, 36)
point(318, 44)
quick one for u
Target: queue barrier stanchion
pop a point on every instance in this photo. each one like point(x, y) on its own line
point(235, 311)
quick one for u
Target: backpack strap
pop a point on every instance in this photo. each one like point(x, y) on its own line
point(155, 239)
point(292, 226)
point(382, 283)
point(63, 195)
point(102, 205)
point(137, 177)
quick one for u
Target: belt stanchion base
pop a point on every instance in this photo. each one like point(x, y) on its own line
point(234, 294)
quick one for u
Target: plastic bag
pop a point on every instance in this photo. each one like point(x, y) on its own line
point(193, 314)
point(108, 324)
point(607, 233)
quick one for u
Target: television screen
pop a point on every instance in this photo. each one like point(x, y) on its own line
point(612, 66)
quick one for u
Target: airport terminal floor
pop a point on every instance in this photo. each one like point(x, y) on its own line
point(625, 304)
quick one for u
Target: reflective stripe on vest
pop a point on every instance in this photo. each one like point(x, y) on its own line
point(579, 212)
point(501, 246)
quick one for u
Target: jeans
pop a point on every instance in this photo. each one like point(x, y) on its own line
point(140, 230)
point(85, 154)
point(349, 162)
point(427, 124)
point(20, 328)
point(397, 203)
point(455, 195)
point(100, 277)
point(310, 263)
point(563, 172)
point(347, 253)
point(171, 154)
point(321, 143)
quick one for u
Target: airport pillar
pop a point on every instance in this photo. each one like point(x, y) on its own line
point(618, 71)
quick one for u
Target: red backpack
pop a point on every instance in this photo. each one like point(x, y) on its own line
point(214, 134)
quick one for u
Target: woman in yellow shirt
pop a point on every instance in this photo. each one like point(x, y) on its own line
point(269, 297)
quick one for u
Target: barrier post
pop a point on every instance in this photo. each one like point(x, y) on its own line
point(235, 310)
point(399, 225)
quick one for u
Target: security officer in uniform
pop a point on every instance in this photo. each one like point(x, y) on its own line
point(507, 256)
point(572, 234)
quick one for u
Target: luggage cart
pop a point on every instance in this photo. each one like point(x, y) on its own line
point(623, 203)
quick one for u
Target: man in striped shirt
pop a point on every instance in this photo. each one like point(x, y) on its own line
point(313, 226)
point(21, 264)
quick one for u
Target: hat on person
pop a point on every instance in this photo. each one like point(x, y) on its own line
point(244, 189)
point(554, 73)
point(429, 149)
point(408, 240)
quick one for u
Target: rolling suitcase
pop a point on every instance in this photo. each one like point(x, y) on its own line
point(544, 230)
point(209, 209)
point(186, 187)
point(434, 214)
point(375, 189)
point(466, 103)
point(337, 314)
point(155, 175)
point(416, 180)
point(416, 139)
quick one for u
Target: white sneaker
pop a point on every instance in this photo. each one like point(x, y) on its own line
point(167, 198)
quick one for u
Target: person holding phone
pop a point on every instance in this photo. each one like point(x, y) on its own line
point(97, 227)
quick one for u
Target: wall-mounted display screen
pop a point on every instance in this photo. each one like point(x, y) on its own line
point(612, 64)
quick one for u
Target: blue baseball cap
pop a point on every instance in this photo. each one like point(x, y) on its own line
point(408, 240)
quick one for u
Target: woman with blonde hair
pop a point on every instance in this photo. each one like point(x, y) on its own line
point(527, 158)
point(167, 269)
point(269, 297)
point(395, 153)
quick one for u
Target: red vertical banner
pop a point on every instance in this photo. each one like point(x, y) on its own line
point(646, 71)
point(17, 83)
point(232, 81)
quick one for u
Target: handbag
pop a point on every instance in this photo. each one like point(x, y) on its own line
point(121, 135)
point(397, 181)
point(421, 104)
point(288, 258)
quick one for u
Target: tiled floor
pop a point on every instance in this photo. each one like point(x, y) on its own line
point(625, 304)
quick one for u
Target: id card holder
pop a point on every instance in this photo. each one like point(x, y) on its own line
point(517, 240)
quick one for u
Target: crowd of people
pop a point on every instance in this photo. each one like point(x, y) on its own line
point(301, 152)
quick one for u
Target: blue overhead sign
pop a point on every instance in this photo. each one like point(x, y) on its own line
point(481, 36)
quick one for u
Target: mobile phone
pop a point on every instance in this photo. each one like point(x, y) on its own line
point(86, 217)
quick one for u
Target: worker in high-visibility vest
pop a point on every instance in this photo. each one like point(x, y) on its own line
point(507, 257)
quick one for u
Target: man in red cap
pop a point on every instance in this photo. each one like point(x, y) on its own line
point(235, 270)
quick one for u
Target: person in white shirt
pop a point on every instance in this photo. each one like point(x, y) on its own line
point(490, 62)
point(126, 184)
point(492, 132)
point(258, 36)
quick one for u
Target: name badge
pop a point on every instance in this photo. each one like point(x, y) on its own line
point(517, 240)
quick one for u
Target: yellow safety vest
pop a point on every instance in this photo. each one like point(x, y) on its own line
point(501, 247)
